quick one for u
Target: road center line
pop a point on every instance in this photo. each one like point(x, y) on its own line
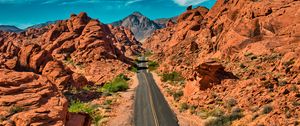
point(151, 102)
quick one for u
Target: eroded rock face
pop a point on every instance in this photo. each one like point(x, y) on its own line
point(49, 60)
point(211, 73)
point(257, 41)
point(30, 99)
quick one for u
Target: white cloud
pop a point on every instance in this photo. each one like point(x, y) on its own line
point(131, 2)
point(188, 2)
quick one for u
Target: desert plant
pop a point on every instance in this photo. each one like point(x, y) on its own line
point(248, 54)
point(80, 107)
point(282, 82)
point(148, 53)
point(177, 95)
point(133, 69)
point(231, 102)
point(236, 113)
point(267, 109)
point(152, 65)
point(296, 103)
point(15, 109)
point(218, 118)
point(193, 109)
point(117, 84)
point(173, 77)
point(288, 63)
point(107, 102)
point(183, 107)
point(87, 88)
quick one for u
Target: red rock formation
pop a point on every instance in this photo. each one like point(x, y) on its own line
point(30, 99)
point(70, 53)
point(258, 41)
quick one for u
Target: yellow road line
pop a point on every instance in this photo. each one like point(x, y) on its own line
point(151, 102)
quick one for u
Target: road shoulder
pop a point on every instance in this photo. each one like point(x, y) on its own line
point(184, 118)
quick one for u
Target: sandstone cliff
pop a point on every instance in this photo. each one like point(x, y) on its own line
point(246, 50)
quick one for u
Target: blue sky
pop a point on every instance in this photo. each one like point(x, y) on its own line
point(24, 13)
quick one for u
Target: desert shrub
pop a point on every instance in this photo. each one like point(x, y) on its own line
point(69, 60)
point(87, 88)
point(177, 95)
point(288, 63)
point(133, 69)
point(236, 113)
point(231, 102)
point(216, 112)
point(173, 77)
point(107, 102)
point(267, 109)
point(282, 82)
point(218, 118)
point(217, 121)
point(248, 54)
point(193, 109)
point(80, 107)
point(294, 88)
point(296, 103)
point(183, 107)
point(242, 66)
point(15, 109)
point(117, 84)
point(148, 53)
point(152, 65)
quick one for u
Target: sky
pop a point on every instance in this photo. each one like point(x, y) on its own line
point(25, 13)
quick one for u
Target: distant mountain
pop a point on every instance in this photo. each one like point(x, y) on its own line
point(163, 21)
point(10, 28)
point(42, 24)
point(141, 26)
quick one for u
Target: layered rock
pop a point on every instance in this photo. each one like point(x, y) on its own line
point(30, 99)
point(79, 41)
point(257, 41)
point(50, 60)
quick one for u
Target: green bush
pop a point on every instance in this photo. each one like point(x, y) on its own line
point(152, 65)
point(177, 95)
point(117, 84)
point(173, 77)
point(107, 102)
point(183, 107)
point(80, 107)
point(87, 88)
point(133, 69)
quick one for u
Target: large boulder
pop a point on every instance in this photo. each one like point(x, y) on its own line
point(58, 74)
point(30, 99)
point(210, 73)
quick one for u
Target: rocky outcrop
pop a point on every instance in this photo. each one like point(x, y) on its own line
point(209, 73)
point(30, 99)
point(251, 39)
point(79, 41)
point(39, 64)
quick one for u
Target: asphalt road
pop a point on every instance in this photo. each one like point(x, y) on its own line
point(151, 108)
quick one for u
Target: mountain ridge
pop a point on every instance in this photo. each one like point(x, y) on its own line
point(142, 26)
